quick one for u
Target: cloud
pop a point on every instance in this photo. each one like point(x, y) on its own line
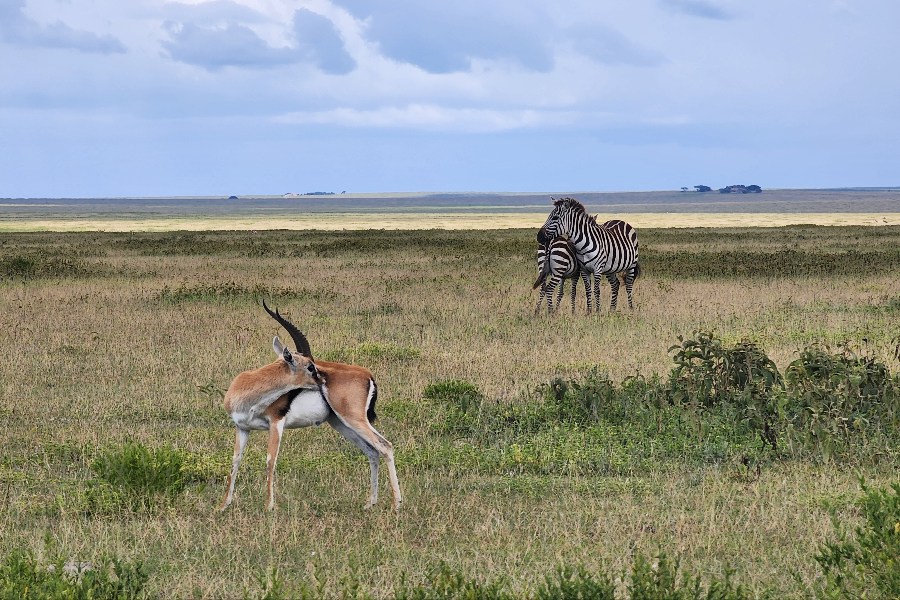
point(236, 45)
point(444, 37)
point(233, 46)
point(319, 40)
point(212, 13)
point(697, 8)
point(16, 28)
point(431, 117)
point(606, 45)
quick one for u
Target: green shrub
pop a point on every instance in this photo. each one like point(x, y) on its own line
point(741, 379)
point(664, 580)
point(446, 584)
point(136, 478)
point(462, 403)
point(22, 576)
point(866, 565)
point(590, 400)
point(576, 584)
point(836, 398)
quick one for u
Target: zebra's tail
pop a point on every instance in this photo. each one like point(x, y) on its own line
point(637, 272)
point(545, 270)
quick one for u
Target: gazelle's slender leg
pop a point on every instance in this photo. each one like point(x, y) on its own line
point(388, 456)
point(275, 431)
point(374, 446)
point(373, 494)
point(242, 436)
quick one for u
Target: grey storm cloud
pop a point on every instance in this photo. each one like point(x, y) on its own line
point(16, 28)
point(697, 8)
point(236, 45)
point(444, 37)
point(320, 43)
point(606, 45)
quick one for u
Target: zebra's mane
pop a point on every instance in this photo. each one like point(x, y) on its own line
point(571, 203)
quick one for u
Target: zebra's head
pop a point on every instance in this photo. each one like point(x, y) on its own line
point(555, 224)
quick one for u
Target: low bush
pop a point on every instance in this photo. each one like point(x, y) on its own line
point(136, 478)
point(866, 564)
point(462, 405)
point(23, 576)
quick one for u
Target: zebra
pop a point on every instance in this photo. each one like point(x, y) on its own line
point(605, 249)
point(557, 260)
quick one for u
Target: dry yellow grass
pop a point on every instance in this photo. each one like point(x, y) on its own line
point(96, 361)
point(431, 220)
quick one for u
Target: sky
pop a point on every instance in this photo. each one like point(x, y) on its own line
point(153, 98)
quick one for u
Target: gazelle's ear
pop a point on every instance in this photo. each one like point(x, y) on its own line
point(277, 347)
point(288, 357)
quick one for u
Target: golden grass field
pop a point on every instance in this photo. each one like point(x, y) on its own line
point(140, 338)
point(433, 220)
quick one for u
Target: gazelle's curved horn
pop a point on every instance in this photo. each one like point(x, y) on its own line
point(296, 335)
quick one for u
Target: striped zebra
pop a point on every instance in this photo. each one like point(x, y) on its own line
point(605, 249)
point(558, 262)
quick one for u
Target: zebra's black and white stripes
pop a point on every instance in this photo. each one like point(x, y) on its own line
point(557, 262)
point(605, 249)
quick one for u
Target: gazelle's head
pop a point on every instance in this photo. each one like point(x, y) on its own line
point(303, 367)
point(301, 362)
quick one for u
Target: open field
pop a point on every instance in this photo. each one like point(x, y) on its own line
point(772, 208)
point(110, 338)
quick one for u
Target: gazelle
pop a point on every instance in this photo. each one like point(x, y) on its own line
point(295, 391)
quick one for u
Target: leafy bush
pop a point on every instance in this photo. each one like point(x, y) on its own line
point(837, 397)
point(446, 584)
point(576, 584)
point(134, 477)
point(868, 564)
point(22, 576)
point(664, 580)
point(462, 402)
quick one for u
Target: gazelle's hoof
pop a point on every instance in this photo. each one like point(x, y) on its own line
point(369, 504)
point(396, 505)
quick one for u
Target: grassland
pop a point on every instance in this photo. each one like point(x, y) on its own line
point(112, 338)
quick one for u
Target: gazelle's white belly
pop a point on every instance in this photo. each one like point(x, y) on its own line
point(308, 408)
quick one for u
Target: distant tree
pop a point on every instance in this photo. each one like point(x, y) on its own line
point(703, 188)
point(754, 189)
point(684, 189)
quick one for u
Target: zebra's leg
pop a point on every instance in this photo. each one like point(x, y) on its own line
point(586, 278)
point(537, 310)
point(629, 284)
point(574, 289)
point(559, 294)
point(551, 286)
point(614, 285)
point(597, 290)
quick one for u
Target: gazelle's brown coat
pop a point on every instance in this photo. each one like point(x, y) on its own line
point(276, 397)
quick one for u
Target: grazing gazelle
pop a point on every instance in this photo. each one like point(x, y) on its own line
point(295, 391)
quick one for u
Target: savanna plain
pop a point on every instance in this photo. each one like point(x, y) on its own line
point(726, 428)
